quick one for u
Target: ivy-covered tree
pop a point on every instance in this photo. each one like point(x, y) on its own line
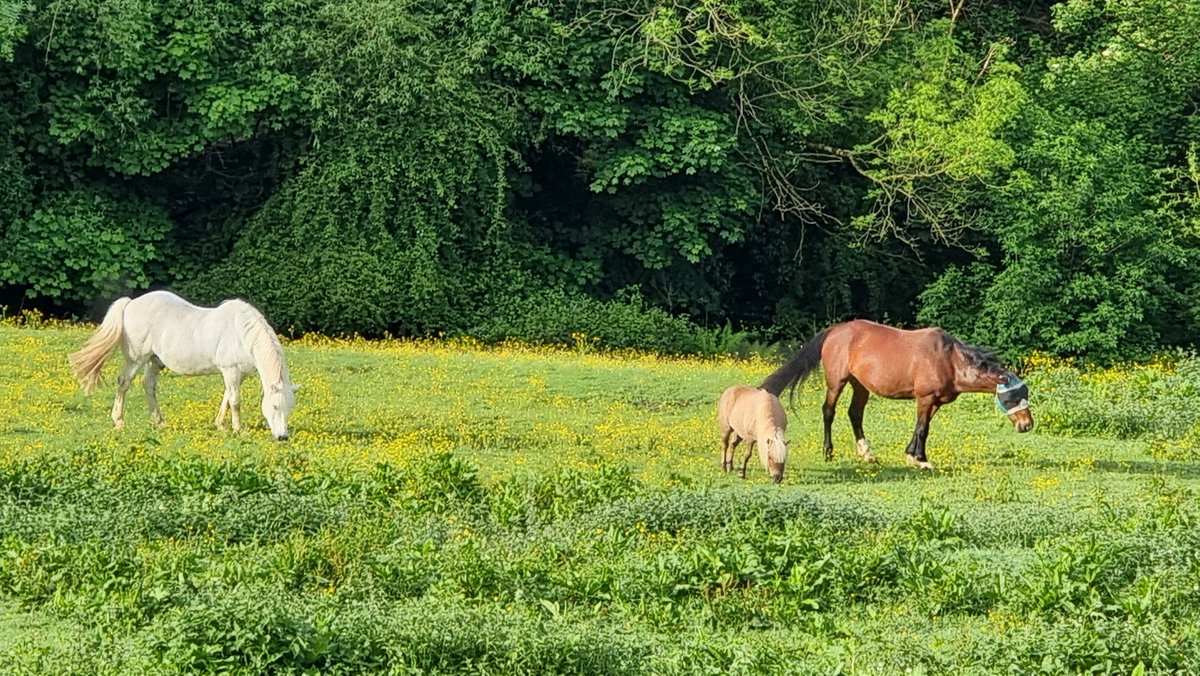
point(1096, 232)
point(1022, 173)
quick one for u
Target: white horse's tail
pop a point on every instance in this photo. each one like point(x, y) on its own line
point(88, 361)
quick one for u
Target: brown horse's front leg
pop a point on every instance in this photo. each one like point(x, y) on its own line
point(915, 453)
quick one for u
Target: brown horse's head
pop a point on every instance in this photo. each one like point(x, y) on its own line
point(773, 452)
point(985, 371)
point(1012, 398)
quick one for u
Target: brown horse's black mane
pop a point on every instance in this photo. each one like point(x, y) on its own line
point(977, 357)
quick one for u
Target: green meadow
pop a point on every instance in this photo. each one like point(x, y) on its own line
point(448, 507)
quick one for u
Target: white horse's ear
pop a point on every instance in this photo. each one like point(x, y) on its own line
point(296, 387)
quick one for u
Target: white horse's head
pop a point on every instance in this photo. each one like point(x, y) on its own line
point(277, 403)
point(773, 452)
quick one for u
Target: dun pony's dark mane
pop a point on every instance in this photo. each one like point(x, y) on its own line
point(977, 357)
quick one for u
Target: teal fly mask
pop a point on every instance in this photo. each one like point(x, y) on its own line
point(1012, 395)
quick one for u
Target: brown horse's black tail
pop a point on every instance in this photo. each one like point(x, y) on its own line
point(795, 370)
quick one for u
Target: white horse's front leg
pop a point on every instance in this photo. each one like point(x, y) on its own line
point(221, 410)
point(150, 384)
point(233, 396)
point(123, 381)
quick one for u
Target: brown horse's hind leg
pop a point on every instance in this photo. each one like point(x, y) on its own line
point(832, 392)
point(857, 404)
point(916, 447)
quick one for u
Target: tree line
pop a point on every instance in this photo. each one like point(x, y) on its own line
point(1024, 174)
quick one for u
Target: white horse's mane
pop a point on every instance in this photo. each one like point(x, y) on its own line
point(260, 338)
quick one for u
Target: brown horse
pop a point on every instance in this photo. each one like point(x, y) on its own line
point(753, 415)
point(928, 365)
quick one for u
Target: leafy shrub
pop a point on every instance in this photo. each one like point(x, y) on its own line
point(1156, 402)
point(566, 318)
point(246, 629)
point(1093, 644)
point(449, 636)
point(1019, 524)
point(85, 246)
point(1081, 573)
point(433, 483)
point(704, 510)
point(569, 491)
point(337, 286)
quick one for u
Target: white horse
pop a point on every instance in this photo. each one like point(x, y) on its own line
point(160, 329)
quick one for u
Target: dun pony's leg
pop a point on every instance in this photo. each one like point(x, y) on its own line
point(857, 404)
point(128, 371)
point(726, 451)
point(150, 384)
point(733, 447)
point(832, 392)
point(916, 447)
point(746, 456)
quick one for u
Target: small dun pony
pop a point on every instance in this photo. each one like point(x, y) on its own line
point(756, 416)
point(160, 329)
point(928, 365)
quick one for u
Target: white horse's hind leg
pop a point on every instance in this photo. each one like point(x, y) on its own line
point(129, 370)
point(150, 384)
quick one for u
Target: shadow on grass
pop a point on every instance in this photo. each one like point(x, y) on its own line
point(861, 473)
point(1177, 469)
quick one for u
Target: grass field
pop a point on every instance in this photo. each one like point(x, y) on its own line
point(449, 508)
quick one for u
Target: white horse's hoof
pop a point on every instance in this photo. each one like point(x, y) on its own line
point(913, 462)
point(119, 424)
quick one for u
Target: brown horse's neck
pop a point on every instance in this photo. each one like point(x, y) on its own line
point(970, 378)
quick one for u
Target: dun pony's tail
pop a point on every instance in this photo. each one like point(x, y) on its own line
point(88, 361)
point(795, 370)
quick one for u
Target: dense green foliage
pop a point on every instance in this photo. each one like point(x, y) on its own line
point(181, 566)
point(1024, 174)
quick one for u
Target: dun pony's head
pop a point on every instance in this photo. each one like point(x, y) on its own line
point(773, 452)
point(277, 403)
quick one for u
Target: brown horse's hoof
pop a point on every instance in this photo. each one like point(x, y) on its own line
point(913, 462)
point(864, 451)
